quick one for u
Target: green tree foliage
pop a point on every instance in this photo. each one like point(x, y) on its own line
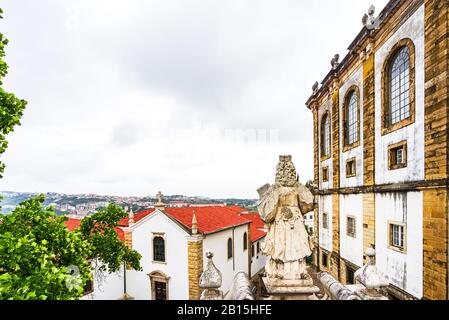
point(11, 108)
point(41, 259)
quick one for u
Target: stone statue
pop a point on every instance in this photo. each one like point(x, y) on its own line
point(287, 243)
point(315, 87)
point(334, 61)
point(369, 21)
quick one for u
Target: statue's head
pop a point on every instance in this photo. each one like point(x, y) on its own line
point(286, 173)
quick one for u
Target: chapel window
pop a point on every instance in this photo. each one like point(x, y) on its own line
point(158, 249)
point(399, 86)
point(352, 118)
point(325, 136)
point(230, 248)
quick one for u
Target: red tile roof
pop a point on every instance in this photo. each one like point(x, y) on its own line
point(256, 227)
point(137, 217)
point(73, 224)
point(210, 219)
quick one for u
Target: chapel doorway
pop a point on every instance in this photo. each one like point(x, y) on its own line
point(161, 290)
point(159, 282)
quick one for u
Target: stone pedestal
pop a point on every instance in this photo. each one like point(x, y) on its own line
point(290, 289)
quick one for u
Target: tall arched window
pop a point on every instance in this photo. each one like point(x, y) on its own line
point(399, 86)
point(325, 135)
point(351, 110)
point(245, 241)
point(158, 249)
point(398, 80)
point(229, 248)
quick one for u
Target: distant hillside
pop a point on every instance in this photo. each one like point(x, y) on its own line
point(88, 203)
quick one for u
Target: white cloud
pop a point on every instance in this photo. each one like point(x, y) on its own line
point(132, 97)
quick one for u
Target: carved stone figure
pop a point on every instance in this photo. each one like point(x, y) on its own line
point(315, 87)
point(334, 61)
point(288, 244)
point(369, 21)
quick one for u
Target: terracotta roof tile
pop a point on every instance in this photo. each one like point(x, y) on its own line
point(73, 224)
point(210, 219)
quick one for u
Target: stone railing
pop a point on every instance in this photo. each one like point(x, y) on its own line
point(241, 288)
point(370, 283)
point(334, 289)
point(211, 280)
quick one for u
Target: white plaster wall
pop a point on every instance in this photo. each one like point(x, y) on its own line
point(413, 28)
point(351, 248)
point(355, 79)
point(404, 270)
point(325, 234)
point(259, 260)
point(176, 266)
point(217, 243)
point(325, 107)
point(107, 286)
point(309, 220)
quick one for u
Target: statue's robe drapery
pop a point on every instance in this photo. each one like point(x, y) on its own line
point(287, 241)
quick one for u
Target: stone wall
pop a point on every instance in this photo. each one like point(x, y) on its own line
point(435, 221)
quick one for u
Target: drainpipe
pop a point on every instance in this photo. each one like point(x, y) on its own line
point(124, 278)
point(233, 249)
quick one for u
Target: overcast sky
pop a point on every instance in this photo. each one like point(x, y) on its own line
point(195, 97)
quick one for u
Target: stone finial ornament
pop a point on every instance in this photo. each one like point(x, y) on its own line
point(369, 21)
point(210, 280)
point(194, 224)
point(369, 275)
point(334, 61)
point(131, 217)
point(315, 87)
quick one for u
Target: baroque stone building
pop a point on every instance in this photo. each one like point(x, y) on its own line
point(381, 151)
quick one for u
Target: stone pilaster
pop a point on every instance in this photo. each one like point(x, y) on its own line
point(129, 239)
point(195, 265)
point(316, 254)
point(435, 243)
point(335, 261)
point(315, 148)
point(368, 120)
point(435, 211)
point(369, 222)
point(336, 138)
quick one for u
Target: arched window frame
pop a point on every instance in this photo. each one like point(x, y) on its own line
point(159, 236)
point(229, 247)
point(387, 127)
point(346, 103)
point(245, 241)
point(325, 154)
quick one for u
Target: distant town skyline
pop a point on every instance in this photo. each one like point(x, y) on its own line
point(129, 98)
